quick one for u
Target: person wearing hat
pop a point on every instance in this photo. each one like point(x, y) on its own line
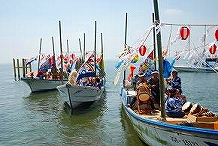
point(154, 85)
point(141, 79)
point(175, 82)
point(173, 104)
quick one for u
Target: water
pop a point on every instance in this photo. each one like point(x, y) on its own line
point(41, 119)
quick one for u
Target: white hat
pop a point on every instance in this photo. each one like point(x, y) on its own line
point(155, 72)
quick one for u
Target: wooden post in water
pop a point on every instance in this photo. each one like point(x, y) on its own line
point(24, 67)
point(18, 69)
point(160, 58)
point(15, 75)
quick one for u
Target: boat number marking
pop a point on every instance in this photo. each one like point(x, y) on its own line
point(184, 141)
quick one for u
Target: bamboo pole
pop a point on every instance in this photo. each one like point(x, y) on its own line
point(40, 48)
point(154, 41)
point(53, 48)
point(61, 51)
point(95, 48)
point(68, 50)
point(102, 74)
point(80, 48)
point(84, 47)
point(160, 58)
point(125, 45)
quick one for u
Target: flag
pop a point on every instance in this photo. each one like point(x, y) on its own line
point(87, 68)
point(151, 55)
point(29, 61)
point(46, 64)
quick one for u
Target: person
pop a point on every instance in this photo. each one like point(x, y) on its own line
point(154, 85)
point(141, 79)
point(175, 82)
point(40, 75)
point(54, 72)
point(173, 105)
point(98, 83)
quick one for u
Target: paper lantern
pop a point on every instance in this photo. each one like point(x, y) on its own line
point(216, 35)
point(142, 50)
point(184, 32)
point(212, 49)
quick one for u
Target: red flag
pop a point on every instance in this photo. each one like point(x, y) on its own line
point(151, 55)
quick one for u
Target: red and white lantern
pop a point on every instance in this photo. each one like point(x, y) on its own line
point(142, 50)
point(184, 32)
point(216, 35)
point(212, 49)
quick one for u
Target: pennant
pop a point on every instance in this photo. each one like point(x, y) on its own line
point(29, 61)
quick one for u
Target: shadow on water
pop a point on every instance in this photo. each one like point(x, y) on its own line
point(131, 135)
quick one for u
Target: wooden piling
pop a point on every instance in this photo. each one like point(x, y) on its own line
point(15, 75)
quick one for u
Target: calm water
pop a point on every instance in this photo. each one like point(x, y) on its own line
point(40, 118)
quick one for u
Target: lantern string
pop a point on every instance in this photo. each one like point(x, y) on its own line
point(174, 24)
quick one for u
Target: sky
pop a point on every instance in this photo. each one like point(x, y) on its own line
point(24, 22)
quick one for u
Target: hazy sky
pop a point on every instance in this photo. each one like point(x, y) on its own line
point(24, 22)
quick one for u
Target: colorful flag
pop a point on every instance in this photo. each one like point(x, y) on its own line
point(29, 61)
point(46, 64)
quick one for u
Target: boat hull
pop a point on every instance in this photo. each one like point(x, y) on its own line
point(195, 69)
point(154, 132)
point(76, 95)
point(37, 85)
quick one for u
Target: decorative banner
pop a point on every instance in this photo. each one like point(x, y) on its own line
point(142, 50)
point(184, 32)
point(216, 35)
point(212, 49)
point(135, 59)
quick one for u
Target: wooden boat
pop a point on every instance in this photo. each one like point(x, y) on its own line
point(75, 94)
point(153, 126)
point(37, 84)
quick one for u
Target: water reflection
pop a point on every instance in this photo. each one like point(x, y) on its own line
point(84, 127)
point(131, 136)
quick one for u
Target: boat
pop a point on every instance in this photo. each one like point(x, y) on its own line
point(49, 76)
point(75, 93)
point(154, 127)
point(210, 66)
point(37, 85)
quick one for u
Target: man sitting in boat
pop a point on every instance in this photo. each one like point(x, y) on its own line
point(154, 85)
point(173, 104)
point(40, 74)
point(175, 82)
point(54, 72)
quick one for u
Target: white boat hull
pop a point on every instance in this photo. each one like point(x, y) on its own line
point(37, 85)
point(76, 95)
point(195, 69)
point(154, 132)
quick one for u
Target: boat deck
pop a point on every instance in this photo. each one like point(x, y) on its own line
point(157, 116)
